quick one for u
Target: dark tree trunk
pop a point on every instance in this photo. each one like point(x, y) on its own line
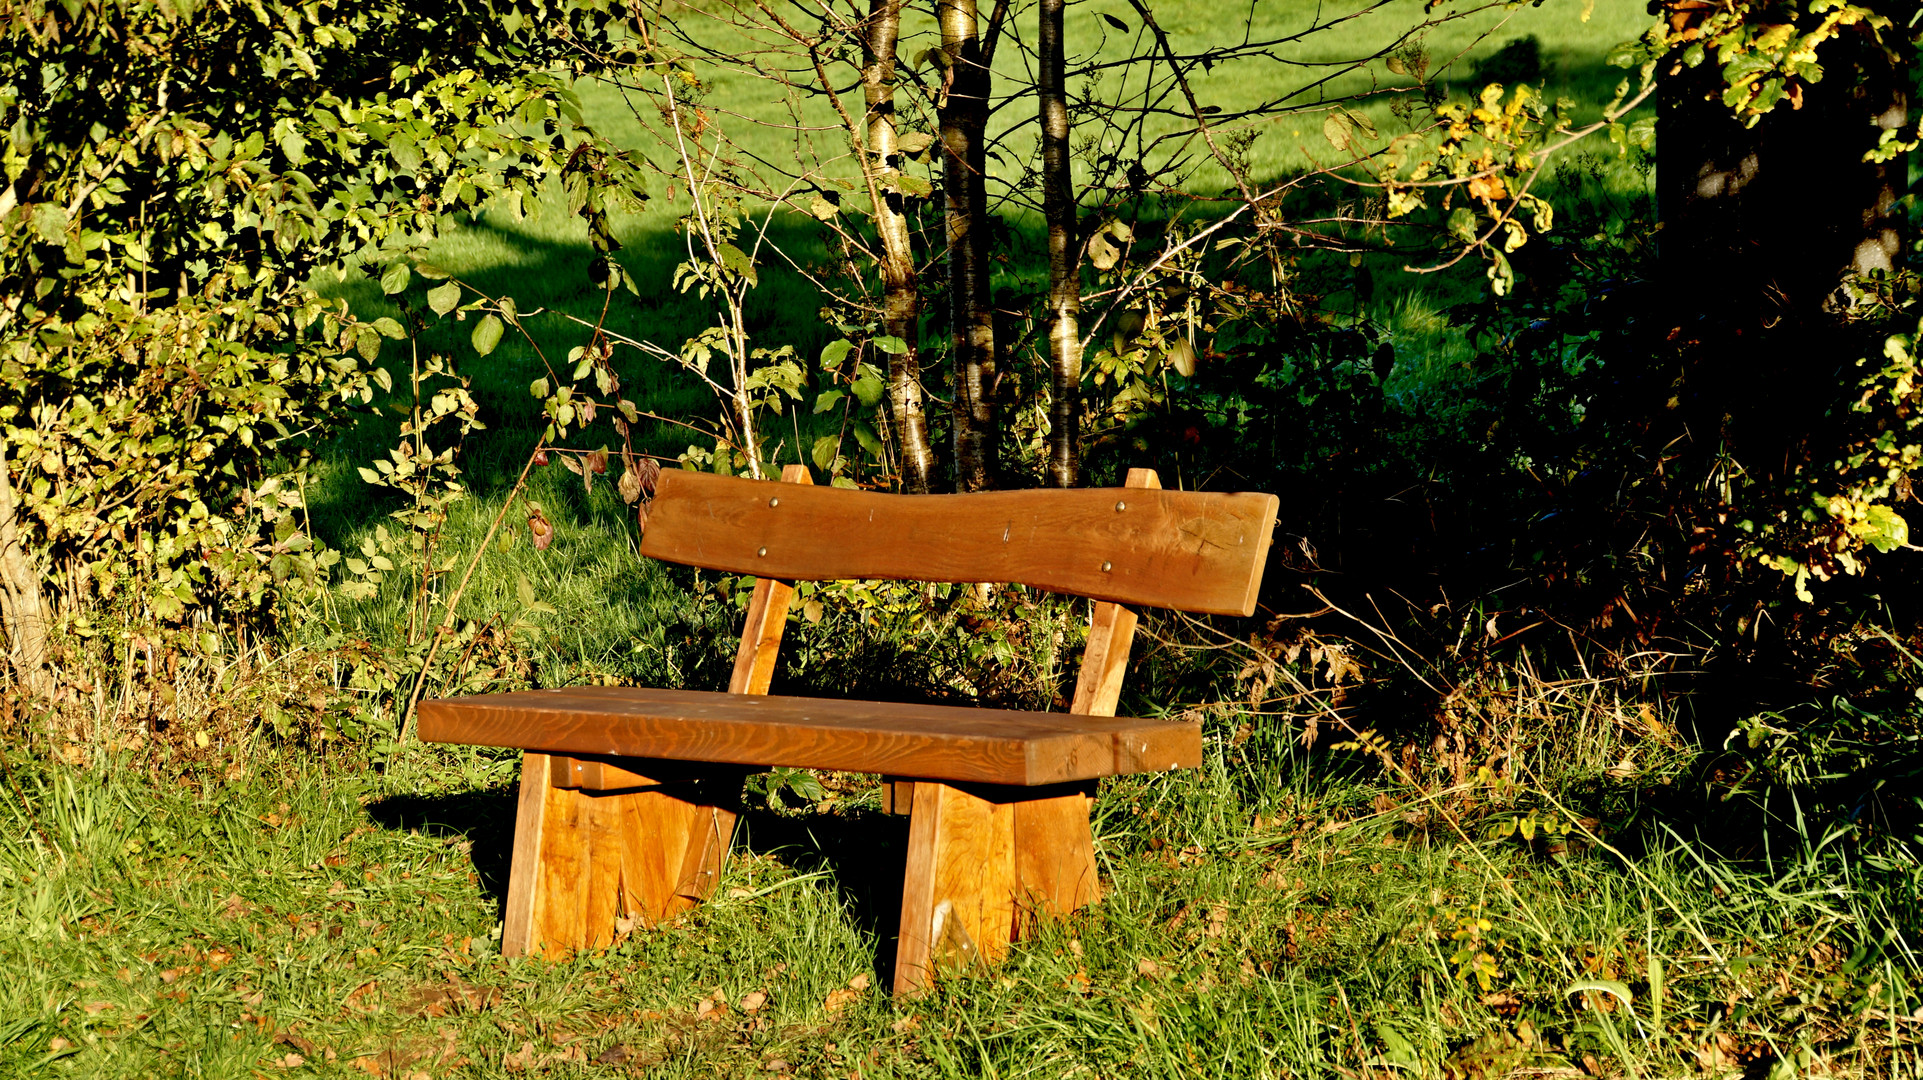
point(901, 304)
point(1760, 227)
point(964, 120)
point(1746, 370)
point(1064, 263)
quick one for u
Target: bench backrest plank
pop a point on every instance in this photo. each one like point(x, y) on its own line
point(1192, 551)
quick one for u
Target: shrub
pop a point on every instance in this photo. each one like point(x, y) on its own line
point(175, 172)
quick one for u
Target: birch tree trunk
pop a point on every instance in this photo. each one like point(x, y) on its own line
point(23, 609)
point(1064, 264)
point(901, 304)
point(963, 108)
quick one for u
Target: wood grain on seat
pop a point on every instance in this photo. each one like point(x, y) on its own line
point(1188, 550)
point(994, 746)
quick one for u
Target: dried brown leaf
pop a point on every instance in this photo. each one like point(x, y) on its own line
point(538, 526)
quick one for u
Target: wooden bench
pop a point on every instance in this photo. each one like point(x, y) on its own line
point(626, 796)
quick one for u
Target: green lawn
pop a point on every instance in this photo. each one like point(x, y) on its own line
point(297, 920)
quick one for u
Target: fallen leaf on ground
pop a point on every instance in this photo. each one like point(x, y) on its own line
point(840, 998)
point(292, 1037)
point(1148, 967)
point(712, 1007)
point(400, 1059)
point(859, 982)
point(291, 1061)
point(753, 1001)
point(456, 996)
point(1506, 1002)
point(363, 997)
point(520, 1059)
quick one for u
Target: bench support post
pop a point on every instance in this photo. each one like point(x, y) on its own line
point(586, 859)
point(600, 839)
point(985, 864)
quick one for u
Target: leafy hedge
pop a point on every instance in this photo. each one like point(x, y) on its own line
point(176, 171)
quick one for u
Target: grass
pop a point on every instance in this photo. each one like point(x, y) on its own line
point(768, 123)
point(288, 918)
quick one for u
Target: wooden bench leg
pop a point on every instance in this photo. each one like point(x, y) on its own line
point(984, 863)
point(584, 858)
point(1055, 870)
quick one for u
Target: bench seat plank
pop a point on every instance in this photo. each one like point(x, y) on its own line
point(992, 746)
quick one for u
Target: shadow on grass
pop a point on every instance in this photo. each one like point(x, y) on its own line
point(865, 854)
point(485, 819)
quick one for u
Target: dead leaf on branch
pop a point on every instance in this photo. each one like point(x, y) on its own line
point(538, 525)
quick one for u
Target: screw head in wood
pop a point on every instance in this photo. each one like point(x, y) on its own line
point(1121, 506)
point(776, 501)
point(1105, 566)
point(763, 552)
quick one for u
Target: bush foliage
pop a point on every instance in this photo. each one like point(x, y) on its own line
point(176, 173)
